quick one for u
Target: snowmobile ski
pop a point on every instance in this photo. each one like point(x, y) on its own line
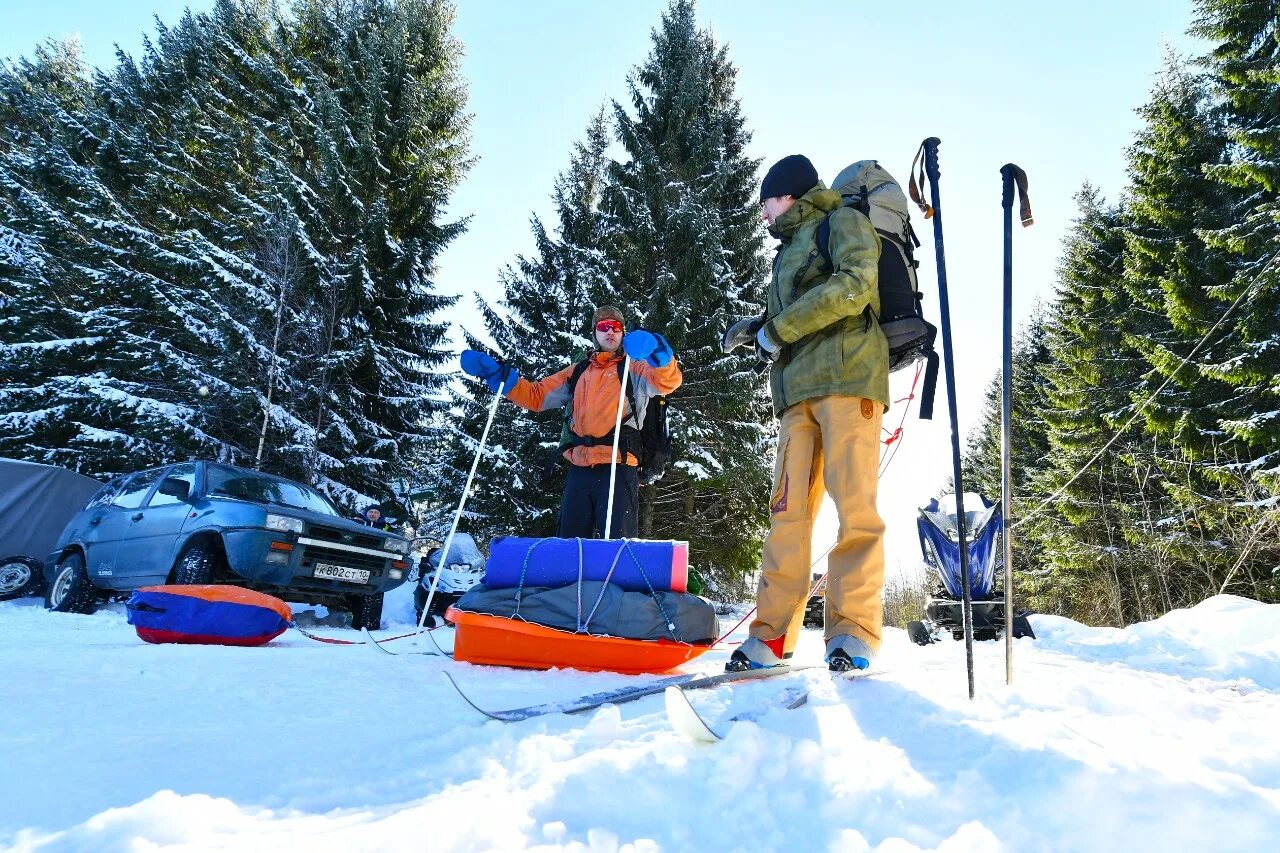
point(623, 695)
point(686, 720)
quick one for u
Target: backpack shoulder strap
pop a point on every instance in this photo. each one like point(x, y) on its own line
point(578, 369)
point(824, 239)
point(581, 368)
point(860, 203)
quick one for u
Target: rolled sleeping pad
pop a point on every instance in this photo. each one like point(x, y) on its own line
point(636, 564)
point(208, 614)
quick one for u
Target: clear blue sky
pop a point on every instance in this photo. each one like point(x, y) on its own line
point(1052, 87)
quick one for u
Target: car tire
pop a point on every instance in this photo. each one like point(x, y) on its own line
point(71, 591)
point(20, 577)
point(366, 611)
point(195, 566)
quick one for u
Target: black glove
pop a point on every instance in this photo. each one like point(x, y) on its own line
point(740, 333)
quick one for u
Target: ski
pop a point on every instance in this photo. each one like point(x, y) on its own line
point(623, 695)
point(686, 720)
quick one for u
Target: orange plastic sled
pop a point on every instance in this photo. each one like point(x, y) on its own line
point(500, 641)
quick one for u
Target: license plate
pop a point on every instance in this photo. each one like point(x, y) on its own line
point(341, 573)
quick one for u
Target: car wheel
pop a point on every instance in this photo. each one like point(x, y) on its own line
point(20, 576)
point(366, 611)
point(195, 566)
point(71, 590)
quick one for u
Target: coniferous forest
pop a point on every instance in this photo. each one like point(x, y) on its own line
point(1146, 460)
point(225, 247)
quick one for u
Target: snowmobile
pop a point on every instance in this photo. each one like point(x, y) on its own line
point(939, 543)
point(462, 571)
point(815, 607)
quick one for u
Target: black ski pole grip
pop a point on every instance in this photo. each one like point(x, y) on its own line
point(1015, 177)
point(931, 157)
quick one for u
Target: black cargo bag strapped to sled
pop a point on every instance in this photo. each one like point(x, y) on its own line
point(868, 188)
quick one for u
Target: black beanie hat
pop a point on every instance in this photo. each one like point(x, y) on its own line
point(793, 176)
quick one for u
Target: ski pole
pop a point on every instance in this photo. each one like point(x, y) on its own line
point(448, 541)
point(617, 433)
point(929, 148)
point(1012, 175)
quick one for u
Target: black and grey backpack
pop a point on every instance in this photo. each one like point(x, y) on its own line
point(868, 188)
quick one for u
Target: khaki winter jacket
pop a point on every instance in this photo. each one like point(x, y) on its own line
point(825, 320)
point(595, 400)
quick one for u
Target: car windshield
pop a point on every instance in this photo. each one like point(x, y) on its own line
point(245, 485)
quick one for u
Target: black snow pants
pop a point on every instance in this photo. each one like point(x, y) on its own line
point(586, 502)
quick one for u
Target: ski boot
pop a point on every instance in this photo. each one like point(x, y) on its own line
point(757, 654)
point(846, 652)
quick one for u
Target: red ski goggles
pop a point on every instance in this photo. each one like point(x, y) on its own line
point(608, 326)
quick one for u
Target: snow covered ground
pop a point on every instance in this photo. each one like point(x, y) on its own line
point(1163, 736)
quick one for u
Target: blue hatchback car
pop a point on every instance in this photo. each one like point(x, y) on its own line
point(208, 522)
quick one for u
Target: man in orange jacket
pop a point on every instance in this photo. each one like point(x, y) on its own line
point(596, 396)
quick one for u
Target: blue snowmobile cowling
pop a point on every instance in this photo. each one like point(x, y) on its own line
point(940, 545)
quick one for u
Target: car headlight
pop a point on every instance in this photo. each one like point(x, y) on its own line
point(400, 546)
point(283, 523)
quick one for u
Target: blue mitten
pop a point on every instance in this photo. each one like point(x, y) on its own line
point(494, 373)
point(647, 346)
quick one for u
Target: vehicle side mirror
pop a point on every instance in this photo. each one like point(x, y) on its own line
point(175, 488)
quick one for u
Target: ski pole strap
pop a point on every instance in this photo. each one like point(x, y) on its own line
point(916, 187)
point(1015, 177)
point(930, 386)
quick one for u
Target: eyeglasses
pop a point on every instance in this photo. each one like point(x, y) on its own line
point(608, 326)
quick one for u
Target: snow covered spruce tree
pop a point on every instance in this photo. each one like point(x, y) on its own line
point(1090, 379)
point(670, 235)
point(396, 137)
point(1243, 69)
point(96, 363)
point(1245, 80)
point(291, 168)
point(539, 327)
point(1201, 528)
point(685, 257)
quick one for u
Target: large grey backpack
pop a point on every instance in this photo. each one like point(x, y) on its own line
point(867, 187)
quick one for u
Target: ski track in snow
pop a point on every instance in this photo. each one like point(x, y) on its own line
point(1161, 736)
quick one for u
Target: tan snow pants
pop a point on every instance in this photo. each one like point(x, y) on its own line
point(830, 443)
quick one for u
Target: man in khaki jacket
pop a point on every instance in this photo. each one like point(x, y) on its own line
point(830, 382)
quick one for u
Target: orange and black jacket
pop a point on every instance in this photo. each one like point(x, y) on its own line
point(596, 398)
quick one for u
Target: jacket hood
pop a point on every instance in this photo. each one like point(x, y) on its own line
point(817, 202)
